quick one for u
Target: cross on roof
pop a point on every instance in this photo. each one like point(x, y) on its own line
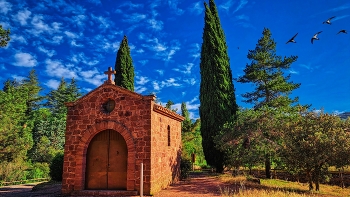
point(110, 72)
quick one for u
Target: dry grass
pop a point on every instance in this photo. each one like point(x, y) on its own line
point(240, 187)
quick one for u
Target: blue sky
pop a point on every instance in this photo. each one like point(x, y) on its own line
point(80, 39)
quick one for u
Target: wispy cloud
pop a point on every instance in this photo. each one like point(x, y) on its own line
point(130, 5)
point(81, 58)
point(243, 17)
point(186, 69)
point(49, 53)
point(156, 25)
point(141, 80)
point(339, 8)
point(291, 71)
point(340, 17)
point(39, 26)
point(22, 16)
point(196, 8)
point(160, 72)
point(190, 81)
point(194, 51)
point(134, 18)
point(143, 62)
point(103, 22)
point(18, 38)
point(5, 6)
point(25, 60)
point(241, 4)
point(173, 4)
point(227, 5)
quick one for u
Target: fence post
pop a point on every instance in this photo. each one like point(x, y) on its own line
point(141, 180)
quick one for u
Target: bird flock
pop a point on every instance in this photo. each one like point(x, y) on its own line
point(327, 22)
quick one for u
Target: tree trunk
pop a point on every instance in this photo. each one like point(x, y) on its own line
point(267, 166)
point(317, 177)
point(309, 179)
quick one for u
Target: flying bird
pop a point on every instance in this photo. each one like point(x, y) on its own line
point(292, 39)
point(328, 21)
point(315, 37)
point(342, 31)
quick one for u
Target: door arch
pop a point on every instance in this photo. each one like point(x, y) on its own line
point(106, 161)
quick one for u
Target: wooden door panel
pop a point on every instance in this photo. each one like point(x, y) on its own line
point(106, 161)
point(97, 162)
point(117, 161)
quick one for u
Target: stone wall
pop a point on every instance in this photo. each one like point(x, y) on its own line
point(143, 125)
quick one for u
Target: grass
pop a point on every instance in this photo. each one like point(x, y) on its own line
point(241, 187)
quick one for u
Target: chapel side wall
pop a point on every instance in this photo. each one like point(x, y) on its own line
point(165, 160)
point(131, 117)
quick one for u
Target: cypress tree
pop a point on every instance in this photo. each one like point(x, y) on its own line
point(217, 98)
point(124, 68)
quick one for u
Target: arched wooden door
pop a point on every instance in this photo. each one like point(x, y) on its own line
point(106, 161)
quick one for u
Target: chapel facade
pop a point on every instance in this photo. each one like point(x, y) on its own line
point(110, 131)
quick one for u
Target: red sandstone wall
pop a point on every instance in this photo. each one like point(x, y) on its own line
point(85, 118)
point(165, 160)
point(143, 129)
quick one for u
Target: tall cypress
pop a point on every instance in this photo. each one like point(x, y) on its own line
point(124, 68)
point(217, 98)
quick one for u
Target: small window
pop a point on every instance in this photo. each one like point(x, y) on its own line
point(168, 135)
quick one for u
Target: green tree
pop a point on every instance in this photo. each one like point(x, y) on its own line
point(124, 68)
point(15, 136)
point(313, 143)
point(33, 98)
point(272, 87)
point(4, 36)
point(217, 98)
point(64, 93)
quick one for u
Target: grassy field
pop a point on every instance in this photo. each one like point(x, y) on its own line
point(241, 187)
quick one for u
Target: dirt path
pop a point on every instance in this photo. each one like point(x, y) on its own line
point(199, 185)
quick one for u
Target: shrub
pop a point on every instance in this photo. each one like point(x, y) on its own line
point(39, 170)
point(185, 166)
point(56, 167)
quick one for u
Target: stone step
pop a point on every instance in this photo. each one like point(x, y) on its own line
point(104, 193)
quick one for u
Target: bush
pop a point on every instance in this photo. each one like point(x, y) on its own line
point(56, 167)
point(39, 170)
point(185, 166)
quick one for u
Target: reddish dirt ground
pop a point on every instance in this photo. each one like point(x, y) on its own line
point(198, 185)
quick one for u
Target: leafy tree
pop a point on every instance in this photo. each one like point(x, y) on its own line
point(57, 98)
point(15, 137)
point(217, 98)
point(124, 68)
point(4, 36)
point(272, 87)
point(314, 142)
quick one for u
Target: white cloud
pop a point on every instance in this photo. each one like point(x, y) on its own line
point(25, 60)
point(141, 80)
point(242, 3)
point(49, 53)
point(18, 78)
point(143, 62)
point(173, 4)
point(155, 86)
point(104, 23)
point(22, 16)
point(190, 81)
point(227, 5)
point(155, 25)
point(194, 50)
point(291, 71)
point(243, 17)
point(134, 18)
point(5, 6)
point(18, 38)
point(186, 69)
point(55, 68)
point(78, 20)
point(130, 5)
point(71, 34)
point(81, 58)
point(161, 72)
point(197, 8)
point(52, 83)
point(39, 26)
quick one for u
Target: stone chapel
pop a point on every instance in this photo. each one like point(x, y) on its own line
point(110, 131)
